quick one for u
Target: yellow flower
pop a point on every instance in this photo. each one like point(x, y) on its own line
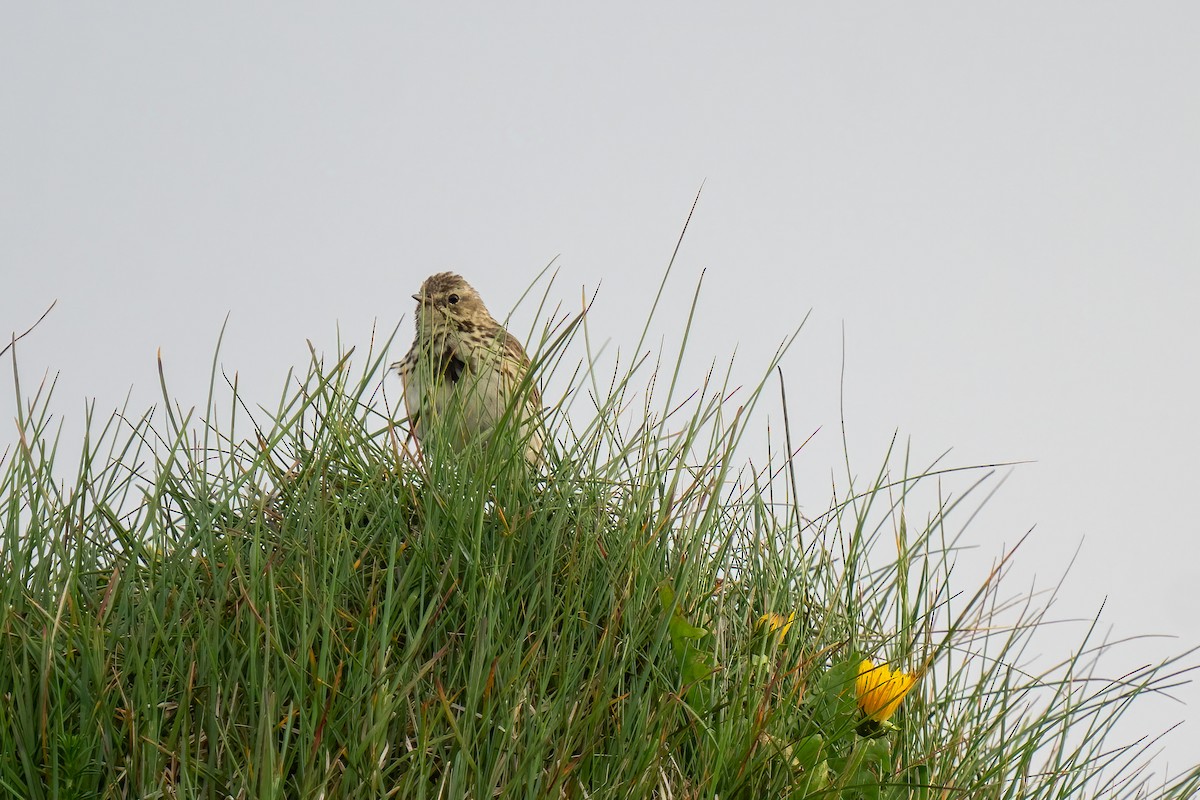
point(880, 690)
point(776, 622)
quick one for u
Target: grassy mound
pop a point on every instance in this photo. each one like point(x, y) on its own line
point(290, 604)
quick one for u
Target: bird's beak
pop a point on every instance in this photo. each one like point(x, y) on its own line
point(417, 297)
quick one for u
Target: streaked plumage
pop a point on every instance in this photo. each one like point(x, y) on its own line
point(463, 368)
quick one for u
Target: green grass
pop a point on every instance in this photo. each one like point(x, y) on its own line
point(258, 603)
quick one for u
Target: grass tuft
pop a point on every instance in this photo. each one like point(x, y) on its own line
point(287, 603)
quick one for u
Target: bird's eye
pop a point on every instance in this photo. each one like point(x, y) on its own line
point(453, 299)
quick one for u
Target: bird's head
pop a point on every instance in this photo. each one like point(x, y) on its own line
point(446, 299)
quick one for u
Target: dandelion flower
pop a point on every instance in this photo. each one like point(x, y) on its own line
point(880, 689)
point(775, 622)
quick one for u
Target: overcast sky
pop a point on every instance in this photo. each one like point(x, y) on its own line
point(991, 208)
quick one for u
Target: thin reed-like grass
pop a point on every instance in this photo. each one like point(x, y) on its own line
point(289, 603)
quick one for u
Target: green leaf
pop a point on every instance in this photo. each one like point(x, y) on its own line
point(807, 751)
point(877, 753)
point(695, 664)
point(815, 782)
point(832, 700)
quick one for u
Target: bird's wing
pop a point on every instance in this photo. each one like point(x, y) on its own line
point(511, 350)
point(410, 384)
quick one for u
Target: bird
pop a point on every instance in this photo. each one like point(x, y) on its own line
point(462, 373)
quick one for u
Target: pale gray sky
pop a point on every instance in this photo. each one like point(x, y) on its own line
point(998, 203)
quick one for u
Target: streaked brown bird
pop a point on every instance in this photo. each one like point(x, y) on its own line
point(463, 369)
